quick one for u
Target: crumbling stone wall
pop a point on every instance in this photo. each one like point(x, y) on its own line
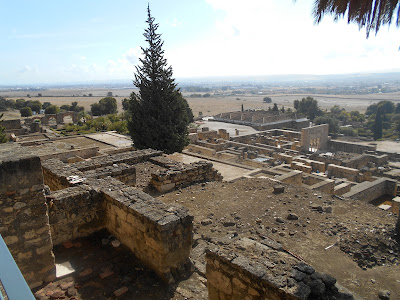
point(75, 212)
point(65, 155)
point(368, 191)
point(246, 269)
point(351, 174)
point(58, 175)
point(24, 223)
point(131, 158)
point(177, 176)
point(336, 145)
point(11, 124)
point(159, 235)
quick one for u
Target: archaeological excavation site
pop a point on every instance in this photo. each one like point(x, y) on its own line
point(285, 212)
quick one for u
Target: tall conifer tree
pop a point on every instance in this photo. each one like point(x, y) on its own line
point(158, 115)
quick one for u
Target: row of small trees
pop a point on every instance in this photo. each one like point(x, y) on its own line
point(380, 120)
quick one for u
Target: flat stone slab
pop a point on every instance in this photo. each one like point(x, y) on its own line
point(63, 269)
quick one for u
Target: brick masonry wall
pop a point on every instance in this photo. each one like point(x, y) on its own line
point(24, 223)
point(246, 269)
point(75, 212)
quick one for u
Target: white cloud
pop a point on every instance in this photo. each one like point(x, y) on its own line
point(175, 23)
point(259, 37)
point(28, 69)
point(114, 68)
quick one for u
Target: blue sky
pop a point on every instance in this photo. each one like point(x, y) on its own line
point(71, 41)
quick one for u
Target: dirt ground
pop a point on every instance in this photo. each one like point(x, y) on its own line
point(208, 106)
point(353, 241)
point(363, 258)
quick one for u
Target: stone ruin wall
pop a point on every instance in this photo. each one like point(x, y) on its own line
point(180, 175)
point(24, 222)
point(316, 137)
point(350, 147)
point(159, 235)
point(368, 191)
point(64, 156)
point(246, 269)
point(349, 173)
point(75, 212)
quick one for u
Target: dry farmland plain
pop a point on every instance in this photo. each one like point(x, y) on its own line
point(208, 106)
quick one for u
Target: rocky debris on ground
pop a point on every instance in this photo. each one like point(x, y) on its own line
point(324, 223)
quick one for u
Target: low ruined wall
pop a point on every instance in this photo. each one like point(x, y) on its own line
point(350, 147)
point(200, 150)
point(326, 186)
point(343, 172)
point(294, 177)
point(246, 269)
point(362, 161)
point(74, 212)
point(132, 157)
point(159, 235)
point(24, 223)
point(122, 172)
point(368, 191)
point(58, 175)
point(301, 167)
point(64, 156)
point(342, 188)
point(316, 166)
point(196, 172)
point(205, 135)
point(11, 124)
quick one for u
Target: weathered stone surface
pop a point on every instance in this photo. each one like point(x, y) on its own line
point(238, 271)
point(178, 174)
point(23, 213)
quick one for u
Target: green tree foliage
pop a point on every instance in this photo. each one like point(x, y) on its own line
point(45, 105)
point(3, 104)
point(20, 103)
point(388, 107)
point(348, 131)
point(35, 105)
point(105, 106)
point(158, 114)
point(366, 13)
point(378, 124)
point(267, 100)
point(275, 107)
point(103, 123)
point(26, 111)
point(3, 138)
point(52, 109)
point(327, 119)
point(308, 106)
point(73, 107)
point(125, 104)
